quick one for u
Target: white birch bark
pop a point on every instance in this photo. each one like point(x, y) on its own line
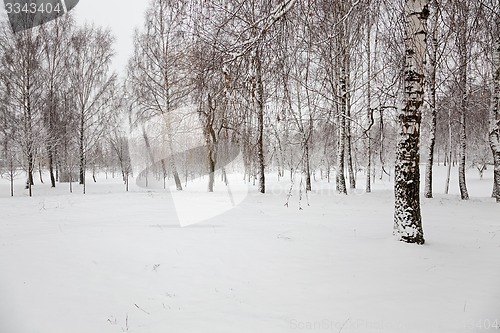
point(432, 101)
point(407, 217)
point(340, 177)
point(462, 77)
point(369, 114)
point(494, 131)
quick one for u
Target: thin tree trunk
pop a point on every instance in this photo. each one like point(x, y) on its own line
point(464, 194)
point(58, 167)
point(350, 169)
point(211, 157)
point(407, 216)
point(259, 101)
point(211, 170)
point(308, 167)
point(82, 149)
point(494, 130)
point(11, 175)
point(211, 143)
point(40, 172)
point(31, 167)
point(369, 114)
point(30, 145)
point(340, 178)
point(448, 172)
point(52, 130)
point(381, 145)
point(173, 165)
point(462, 49)
point(51, 167)
point(432, 103)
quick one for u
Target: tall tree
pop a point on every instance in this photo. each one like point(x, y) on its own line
point(241, 41)
point(494, 130)
point(93, 87)
point(463, 62)
point(407, 216)
point(431, 84)
point(369, 110)
point(56, 48)
point(295, 85)
point(158, 78)
point(21, 72)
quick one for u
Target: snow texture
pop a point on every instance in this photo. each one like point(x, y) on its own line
point(111, 261)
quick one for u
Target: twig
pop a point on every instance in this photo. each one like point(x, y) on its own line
point(126, 324)
point(345, 322)
point(137, 306)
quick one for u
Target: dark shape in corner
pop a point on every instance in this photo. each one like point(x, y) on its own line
point(70, 4)
point(27, 14)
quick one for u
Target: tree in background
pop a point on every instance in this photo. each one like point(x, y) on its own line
point(92, 86)
point(431, 98)
point(56, 48)
point(21, 72)
point(157, 77)
point(462, 25)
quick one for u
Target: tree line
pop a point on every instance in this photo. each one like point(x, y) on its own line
point(316, 87)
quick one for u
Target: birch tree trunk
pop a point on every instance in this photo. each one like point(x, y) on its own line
point(340, 178)
point(81, 148)
point(448, 171)
point(258, 96)
point(407, 217)
point(494, 133)
point(30, 140)
point(350, 168)
point(463, 59)
point(343, 76)
point(369, 102)
point(211, 142)
point(432, 101)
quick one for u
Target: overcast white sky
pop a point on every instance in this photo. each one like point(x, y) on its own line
point(121, 16)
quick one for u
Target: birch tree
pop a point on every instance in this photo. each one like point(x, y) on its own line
point(407, 216)
point(56, 37)
point(369, 111)
point(242, 39)
point(494, 121)
point(431, 84)
point(158, 81)
point(210, 94)
point(463, 54)
point(21, 72)
point(93, 87)
point(9, 156)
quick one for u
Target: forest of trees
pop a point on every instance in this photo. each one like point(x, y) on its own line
point(316, 87)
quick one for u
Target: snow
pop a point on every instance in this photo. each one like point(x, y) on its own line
point(111, 261)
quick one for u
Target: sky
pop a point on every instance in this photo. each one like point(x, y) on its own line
point(121, 16)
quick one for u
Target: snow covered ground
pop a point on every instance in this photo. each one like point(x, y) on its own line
point(112, 261)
